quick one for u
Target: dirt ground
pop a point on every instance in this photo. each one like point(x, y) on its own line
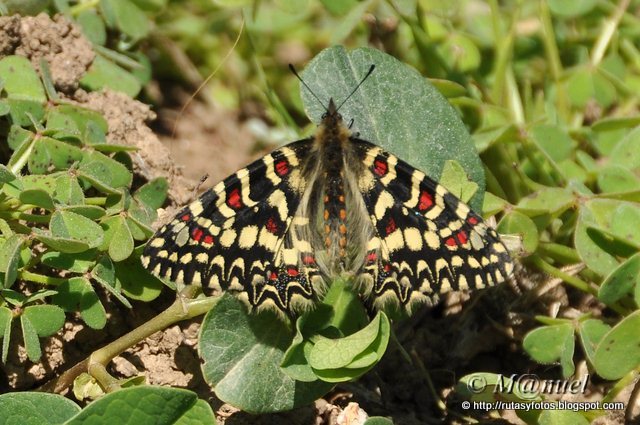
point(461, 336)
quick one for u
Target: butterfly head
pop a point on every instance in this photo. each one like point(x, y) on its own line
point(331, 116)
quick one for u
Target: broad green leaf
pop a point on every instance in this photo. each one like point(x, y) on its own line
point(616, 178)
point(330, 353)
point(121, 244)
point(621, 281)
point(571, 9)
point(594, 250)
point(77, 294)
point(561, 417)
point(378, 420)
point(242, 355)
point(136, 281)
point(92, 212)
point(92, 26)
point(71, 122)
point(153, 193)
point(456, 181)
point(149, 404)
point(30, 338)
point(31, 408)
point(10, 259)
point(49, 154)
point(62, 244)
point(20, 79)
point(586, 85)
point(591, 332)
point(6, 317)
point(421, 128)
point(554, 200)
point(68, 190)
point(106, 74)
point(515, 222)
point(38, 197)
point(46, 319)
point(554, 142)
point(67, 224)
point(618, 353)
point(104, 273)
point(549, 344)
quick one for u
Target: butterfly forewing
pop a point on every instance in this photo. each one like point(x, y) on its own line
point(426, 241)
point(233, 237)
point(276, 231)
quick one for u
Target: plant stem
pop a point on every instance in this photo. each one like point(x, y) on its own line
point(182, 309)
point(40, 278)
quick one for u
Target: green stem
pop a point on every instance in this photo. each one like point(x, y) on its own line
point(40, 278)
point(574, 281)
point(553, 56)
point(559, 252)
point(606, 34)
point(16, 215)
point(95, 364)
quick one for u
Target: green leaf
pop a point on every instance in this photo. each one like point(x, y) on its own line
point(20, 79)
point(407, 126)
point(10, 259)
point(515, 222)
point(127, 17)
point(587, 84)
point(616, 178)
point(153, 193)
point(92, 26)
point(456, 181)
point(49, 155)
point(104, 273)
point(571, 9)
point(136, 281)
point(62, 244)
point(119, 175)
point(30, 338)
point(121, 245)
point(77, 294)
point(72, 121)
point(69, 225)
point(618, 352)
point(552, 200)
point(92, 212)
point(554, 142)
point(378, 420)
point(46, 319)
point(149, 404)
point(32, 408)
point(330, 353)
point(106, 74)
point(68, 190)
point(79, 262)
point(621, 281)
point(594, 250)
point(38, 197)
point(240, 348)
point(6, 317)
point(548, 344)
point(591, 332)
point(561, 417)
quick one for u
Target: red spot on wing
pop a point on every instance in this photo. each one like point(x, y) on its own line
point(426, 201)
point(308, 259)
point(372, 257)
point(386, 267)
point(282, 168)
point(208, 239)
point(196, 234)
point(186, 217)
point(272, 226)
point(292, 272)
point(273, 276)
point(233, 199)
point(391, 226)
point(462, 237)
point(380, 167)
point(472, 220)
point(450, 241)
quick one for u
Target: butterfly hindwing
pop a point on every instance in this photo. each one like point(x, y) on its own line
point(426, 241)
point(234, 237)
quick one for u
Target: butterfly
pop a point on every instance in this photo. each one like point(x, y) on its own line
point(278, 231)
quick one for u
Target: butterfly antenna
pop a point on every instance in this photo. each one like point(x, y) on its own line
point(294, 72)
point(371, 68)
